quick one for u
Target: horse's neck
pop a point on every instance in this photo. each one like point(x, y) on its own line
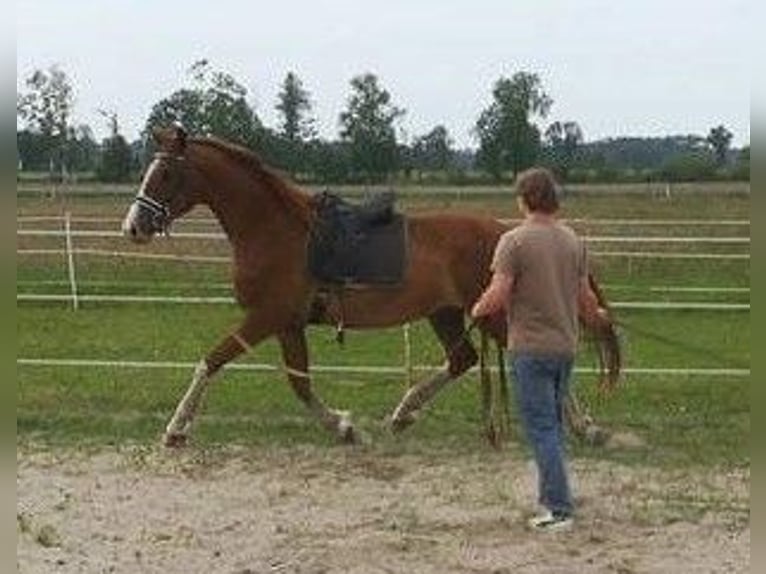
point(248, 211)
point(237, 211)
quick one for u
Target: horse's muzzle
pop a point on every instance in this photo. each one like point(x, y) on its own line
point(134, 228)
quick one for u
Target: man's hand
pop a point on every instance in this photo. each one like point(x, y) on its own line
point(495, 298)
point(592, 314)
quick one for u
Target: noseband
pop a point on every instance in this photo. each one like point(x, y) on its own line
point(160, 213)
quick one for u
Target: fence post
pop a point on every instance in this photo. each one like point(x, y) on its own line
point(70, 259)
point(407, 354)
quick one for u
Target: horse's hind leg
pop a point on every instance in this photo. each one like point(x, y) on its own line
point(449, 326)
point(295, 355)
point(242, 339)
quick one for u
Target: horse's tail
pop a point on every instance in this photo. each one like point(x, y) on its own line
point(607, 341)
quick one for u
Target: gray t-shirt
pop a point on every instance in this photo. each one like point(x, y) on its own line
point(547, 261)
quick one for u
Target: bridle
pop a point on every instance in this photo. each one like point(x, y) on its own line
point(159, 211)
point(160, 214)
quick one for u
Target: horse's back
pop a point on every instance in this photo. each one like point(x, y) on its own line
point(456, 234)
point(458, 247)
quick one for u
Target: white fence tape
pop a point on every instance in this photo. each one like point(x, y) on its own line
point(116, 298)
point(222, 259)
point(381, 369)
point(228, 286)
point(130, 255)
point(222, 236)
point(625, 222)
point(112, 234)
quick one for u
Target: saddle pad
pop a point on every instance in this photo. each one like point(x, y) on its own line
point(376, 255)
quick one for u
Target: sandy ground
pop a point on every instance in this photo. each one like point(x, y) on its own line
point(318, 510)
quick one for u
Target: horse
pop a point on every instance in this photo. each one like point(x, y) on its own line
point(268, 220)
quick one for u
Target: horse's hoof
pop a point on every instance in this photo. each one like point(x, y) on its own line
point(348, 435)
point(174, 440)
point(345, 428)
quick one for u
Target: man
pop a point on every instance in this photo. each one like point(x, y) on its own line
point(540, 280)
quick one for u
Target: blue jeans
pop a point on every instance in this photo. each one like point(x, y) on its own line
point(541, 384)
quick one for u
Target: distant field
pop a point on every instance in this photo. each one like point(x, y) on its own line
point(695, 417)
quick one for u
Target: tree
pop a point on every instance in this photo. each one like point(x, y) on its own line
point(563, 139)
point(742, 166)
point(294, 105)
point(46, 109)
point(296, 126)
point(637, 153)
point(116, 155)
point(507, 138)
point(329, 161)
point(719, 139)
point(368, 126)
point(689, 166)
point(82, 149)
point(216, 104)
point(433, 151)
point(31, 151)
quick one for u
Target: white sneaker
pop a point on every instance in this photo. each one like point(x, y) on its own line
point(551, 522)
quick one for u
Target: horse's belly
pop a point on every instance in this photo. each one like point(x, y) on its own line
point(385, 306)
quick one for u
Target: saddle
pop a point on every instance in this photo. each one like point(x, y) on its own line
point(357, 244)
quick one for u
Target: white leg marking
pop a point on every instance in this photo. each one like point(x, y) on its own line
point(344, 422)
point(246, 347)
point(181, 420)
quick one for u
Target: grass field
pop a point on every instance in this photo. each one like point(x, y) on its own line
point(681, 419)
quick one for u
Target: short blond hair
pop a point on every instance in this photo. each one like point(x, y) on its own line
point(538, 189)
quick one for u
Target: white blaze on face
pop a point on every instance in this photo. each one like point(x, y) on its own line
point(130, 223)
point(130, 220)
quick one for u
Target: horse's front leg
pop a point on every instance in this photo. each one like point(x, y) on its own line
point(242, 339)
point(295, 355)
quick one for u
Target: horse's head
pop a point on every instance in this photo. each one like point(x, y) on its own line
point(167, 190)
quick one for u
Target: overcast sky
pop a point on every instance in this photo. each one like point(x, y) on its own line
point(638, 68)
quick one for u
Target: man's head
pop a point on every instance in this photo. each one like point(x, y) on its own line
point(537, 189)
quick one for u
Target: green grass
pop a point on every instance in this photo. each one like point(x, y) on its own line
point(681, 420)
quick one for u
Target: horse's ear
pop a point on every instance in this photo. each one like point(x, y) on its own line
point(171, 139)
point(163, 137)
point(160, 136)
point(179, 137)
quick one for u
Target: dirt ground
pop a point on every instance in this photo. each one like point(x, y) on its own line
point(313, 510)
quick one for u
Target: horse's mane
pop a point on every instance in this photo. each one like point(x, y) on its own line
point(286, 191)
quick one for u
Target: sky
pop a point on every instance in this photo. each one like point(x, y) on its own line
point(648, 68)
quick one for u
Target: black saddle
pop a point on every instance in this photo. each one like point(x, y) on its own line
point(357, 243)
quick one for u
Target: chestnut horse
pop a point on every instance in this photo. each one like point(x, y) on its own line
point(268, 219)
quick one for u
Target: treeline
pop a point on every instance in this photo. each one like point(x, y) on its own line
point(511, 135)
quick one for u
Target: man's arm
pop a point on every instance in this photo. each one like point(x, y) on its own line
point(496, 297)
